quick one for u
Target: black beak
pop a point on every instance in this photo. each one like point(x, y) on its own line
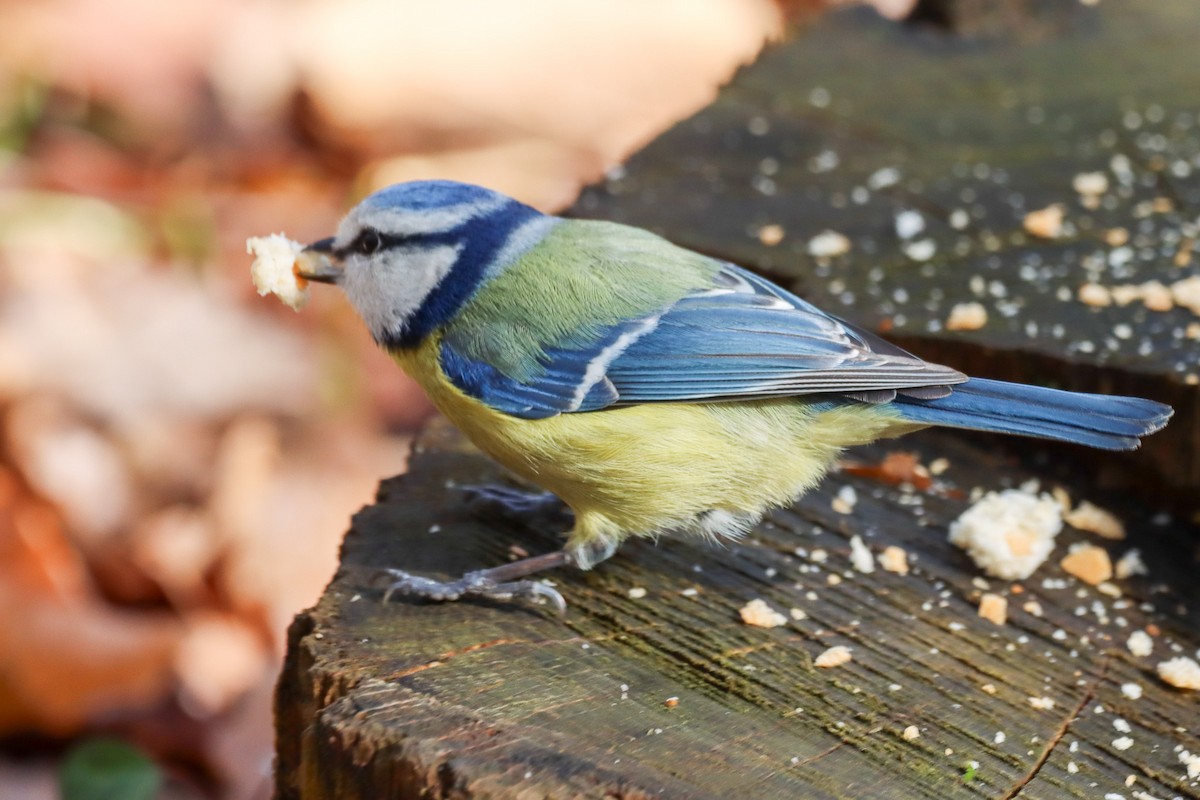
point(317, 262)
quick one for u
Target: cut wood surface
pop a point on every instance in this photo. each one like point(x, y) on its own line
point(651, 685)
point(477, 700)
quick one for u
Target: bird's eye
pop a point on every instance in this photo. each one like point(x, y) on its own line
point(368, 242)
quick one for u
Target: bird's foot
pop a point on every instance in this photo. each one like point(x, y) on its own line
point(497, 583)
point(513, 503)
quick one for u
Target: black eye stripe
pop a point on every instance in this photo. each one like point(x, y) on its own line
point(370, 241)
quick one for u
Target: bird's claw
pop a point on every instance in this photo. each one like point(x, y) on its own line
point(473, 584)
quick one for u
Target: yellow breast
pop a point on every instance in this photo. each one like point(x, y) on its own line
point(652, 468)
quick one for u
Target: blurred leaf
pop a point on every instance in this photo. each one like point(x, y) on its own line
point(108, 769)
point(21, 109)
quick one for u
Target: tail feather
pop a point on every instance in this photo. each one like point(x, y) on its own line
point(1102, 421)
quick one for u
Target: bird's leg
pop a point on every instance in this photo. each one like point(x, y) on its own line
point(496, 583)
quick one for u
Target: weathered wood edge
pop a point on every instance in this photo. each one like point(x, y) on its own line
point(401, 701)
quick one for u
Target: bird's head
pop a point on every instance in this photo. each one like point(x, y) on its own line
point(410, 255)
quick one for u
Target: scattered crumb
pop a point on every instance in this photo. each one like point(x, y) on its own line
point(911, 732)
point(1089, 563)
point(798, 614)
point(833, 579)
point(636, 593)
point(671, 702)
point(1130, 564)
point(273, 270)
point(761, 615)
point(1042, 703)
point(1008, 534)
point(834, 657)
point(894, 559)
point(1072, 767)
point(1046, 223)
point(1121, 725)
point(938, 466)
point(1131, 690)
point(1090, 184)
point(1115, 237)
point(860, 555)
point(1092, 518)
point(993, 608)
point(1181, 672)
point(1063, 497)
point(828, 244)
point(1140, 644)
point(989, 688)
point(967, 317)
point(770, 235)
point(1093, 294)
point(1000, 738)
point(1157, 297)
point(920, 250)
point(909, 223)
point(1186, 293)
point(1033, 608)
point(1192, 762)
point(845, 500)
point(1122, 743)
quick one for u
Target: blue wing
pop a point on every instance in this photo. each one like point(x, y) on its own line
point(741, 338)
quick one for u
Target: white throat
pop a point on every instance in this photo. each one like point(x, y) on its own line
point(387, 289)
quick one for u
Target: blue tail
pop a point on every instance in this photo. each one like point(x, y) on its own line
point(1096, 420)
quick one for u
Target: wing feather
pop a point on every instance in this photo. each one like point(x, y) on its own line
point(743, 337)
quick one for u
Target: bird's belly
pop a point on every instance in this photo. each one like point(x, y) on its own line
point(656, 467)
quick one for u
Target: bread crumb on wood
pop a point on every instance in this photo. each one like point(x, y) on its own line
point(1008, 534)
point(1088, 563)
point(273, 270)
point(1181, 672)
point(967, 317)
point(1093, 519)
point(1041, 703)
point(911, 732)
point(834, 657)
point(1093, 294)
point(1045, 223)
point(770, 235)
point(1140, 644)
point(1090, 184)
point(845, 500)
point(894, 559)
point(828, 244)
point(1130, 564)
point(993, 608)
point(761, 615)
point(860, 555)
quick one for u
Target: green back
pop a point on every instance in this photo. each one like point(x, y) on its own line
point(583, 278)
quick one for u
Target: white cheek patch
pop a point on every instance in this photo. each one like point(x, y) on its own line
point(406, 222)
point(388, 288)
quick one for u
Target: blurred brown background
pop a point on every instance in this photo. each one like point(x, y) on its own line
point(178, 457)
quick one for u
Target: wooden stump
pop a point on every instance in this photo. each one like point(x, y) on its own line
point(668, 694)
point(671, 695)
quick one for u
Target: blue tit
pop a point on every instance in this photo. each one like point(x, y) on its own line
point(653, 389)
